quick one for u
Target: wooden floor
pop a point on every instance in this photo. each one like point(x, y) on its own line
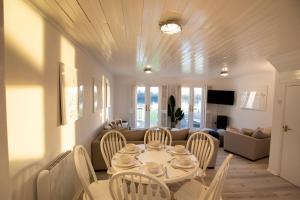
point(248, 180)
point(251, 180)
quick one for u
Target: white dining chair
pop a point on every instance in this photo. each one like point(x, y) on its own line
point(139, 186)
point(93, 189)
point(201, 145)
point(159, 134)
point(196, 190)
point(112, 142)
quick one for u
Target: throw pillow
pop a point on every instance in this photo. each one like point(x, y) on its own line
point(233, 130)
point(247, 131)
point(266, 131)
point(134, 135)
point(180, 134)
point(107, 127)
point(258, 134)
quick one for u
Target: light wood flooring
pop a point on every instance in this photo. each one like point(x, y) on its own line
point(247, 180)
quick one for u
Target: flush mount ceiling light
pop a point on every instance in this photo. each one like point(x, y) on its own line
point(147, 69)
point(170, 27)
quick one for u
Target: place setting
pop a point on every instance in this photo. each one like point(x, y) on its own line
point(126, 161)
point(153, 168)
point(183, 163)
point(155, 145)
point(130, 148)
point(178, 150)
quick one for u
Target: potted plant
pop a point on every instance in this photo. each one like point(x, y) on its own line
point(175, 114)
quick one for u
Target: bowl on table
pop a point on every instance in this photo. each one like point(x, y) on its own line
point(155, 144)
point(153, 167)
point(130, 147)
point(179, 149)
point(184, 160)
point(125, 159)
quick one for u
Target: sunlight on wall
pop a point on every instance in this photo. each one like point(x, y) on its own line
point(25, 122)
point(67, 136)
point(24, 30)
point(67, 52)
point(67, 131)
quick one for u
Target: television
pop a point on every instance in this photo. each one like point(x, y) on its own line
point(223, 97)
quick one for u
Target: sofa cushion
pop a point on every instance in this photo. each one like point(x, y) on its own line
point(180, 134)
point(134, 134)
point(259, 134)
point(247, 131)
point(266, 131)
point(233, 130)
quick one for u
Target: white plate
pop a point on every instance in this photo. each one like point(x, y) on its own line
point(172, 150)
point(124, 150)
point(160, 173)
point(125, 165)
point(176, 164)
point(153, 147)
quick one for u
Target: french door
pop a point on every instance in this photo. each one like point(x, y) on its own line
point(192, 104)
point(147, 110)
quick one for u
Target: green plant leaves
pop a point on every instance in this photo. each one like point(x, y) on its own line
point(175, 115)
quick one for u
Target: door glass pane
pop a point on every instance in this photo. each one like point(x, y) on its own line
point(197, 107)
point(153, 106)
point(140, 107)
point(185, 99)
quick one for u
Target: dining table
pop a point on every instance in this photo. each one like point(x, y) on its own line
point(165, 157)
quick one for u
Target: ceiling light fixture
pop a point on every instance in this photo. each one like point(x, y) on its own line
point(147, 69)
point(224, 72)
point(170, 27)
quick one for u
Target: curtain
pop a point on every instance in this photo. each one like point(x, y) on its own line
point(132, 107)
point(164, 106)
point(203, 111)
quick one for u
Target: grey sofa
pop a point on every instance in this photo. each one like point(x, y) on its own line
point(136, 136)
point(246, 146)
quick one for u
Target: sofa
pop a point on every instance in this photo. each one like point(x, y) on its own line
point(246, 145)
point(136, 136)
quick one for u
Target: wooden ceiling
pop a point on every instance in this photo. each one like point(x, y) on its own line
point(125, 34)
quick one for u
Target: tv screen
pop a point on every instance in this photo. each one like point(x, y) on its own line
point(220, 97)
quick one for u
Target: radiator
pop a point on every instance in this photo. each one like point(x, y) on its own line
point(59, 181)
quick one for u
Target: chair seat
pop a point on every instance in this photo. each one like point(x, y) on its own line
point(191, 190)
point(99, 190)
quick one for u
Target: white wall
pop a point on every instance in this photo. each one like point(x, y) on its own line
point(33, 50)
point(238, 117)
point(242, 118)
point(4, 169)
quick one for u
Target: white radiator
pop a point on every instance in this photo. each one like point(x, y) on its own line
point(59, 181)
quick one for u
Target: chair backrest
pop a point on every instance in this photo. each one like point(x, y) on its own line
point(136, 185)
point(215, 189)
point(158, 133)
point(84, 169)
point(112, 142)
point(202, 146)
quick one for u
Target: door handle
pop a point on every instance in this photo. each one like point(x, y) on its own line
point(286, 128)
